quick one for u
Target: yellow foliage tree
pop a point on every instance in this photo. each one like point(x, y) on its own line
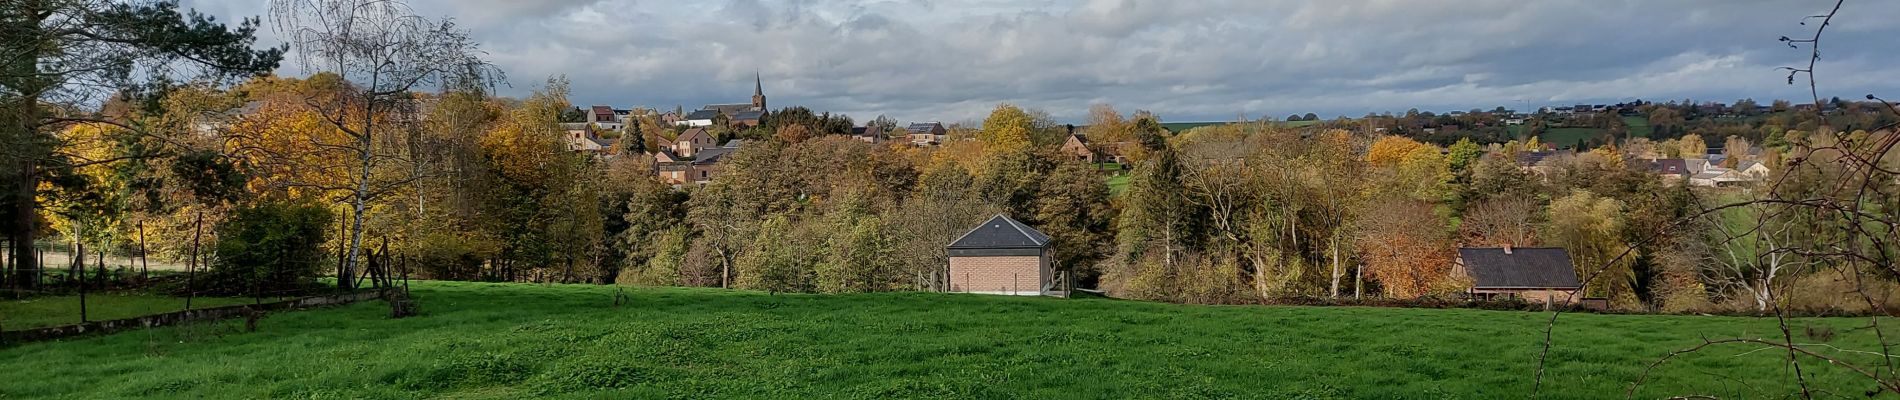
point(1390, 150)
point(1007, 130)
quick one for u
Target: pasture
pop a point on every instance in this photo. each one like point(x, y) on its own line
point(478, 340)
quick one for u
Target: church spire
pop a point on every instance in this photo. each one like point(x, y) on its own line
point(758, 92)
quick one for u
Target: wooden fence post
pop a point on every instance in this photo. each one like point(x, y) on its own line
point(145, 267)
point(191, 267)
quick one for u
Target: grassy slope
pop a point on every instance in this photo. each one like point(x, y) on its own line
point(1179, 127)
point(42, 312)
point(1118, 184)
point(1638, 125)
point(1567, 137)
point(508, 341)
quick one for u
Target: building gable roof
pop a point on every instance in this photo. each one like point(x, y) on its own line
point(702, 114)
point(1674, 166)
point(1001, 232)
point(728, 109)
point(925, 127)
point(1521, 268)
point(753, 115)
point(712, 155)
point(692, 134)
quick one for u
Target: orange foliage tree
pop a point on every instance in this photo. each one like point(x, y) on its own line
point(1405, 247)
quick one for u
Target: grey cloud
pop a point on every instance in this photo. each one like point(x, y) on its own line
point(1187, 60)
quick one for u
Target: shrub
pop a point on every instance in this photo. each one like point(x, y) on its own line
point(272, 247)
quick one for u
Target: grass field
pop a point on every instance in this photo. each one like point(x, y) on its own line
point(1568, 137)
point(40, 312)
point(519, 340)
point(1179, 127)
point(1638, 125)
point(1118, 184)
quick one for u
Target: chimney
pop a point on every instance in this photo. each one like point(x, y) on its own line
point(1507, 249)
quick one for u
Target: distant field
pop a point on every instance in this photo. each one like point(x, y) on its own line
point(1639, 126)
point(1567, 137)
point(1178, 127)
point(521, 340)
point(1117, 184)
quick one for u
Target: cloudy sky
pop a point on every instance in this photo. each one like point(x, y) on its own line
point(1188, 60)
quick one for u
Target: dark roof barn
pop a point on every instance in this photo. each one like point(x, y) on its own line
point(1519, 268)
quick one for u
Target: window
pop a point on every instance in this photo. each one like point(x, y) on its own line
point(702, 174)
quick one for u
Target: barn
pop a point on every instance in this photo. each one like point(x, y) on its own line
point(1535, 274)
point(1001, 256)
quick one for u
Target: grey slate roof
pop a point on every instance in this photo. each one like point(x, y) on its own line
point(712, 155)
point(1675, 166)
point(702, 114)
point(1001, 232)
point(748, 115)
point(924, 127)
point(728, 109)
point(1524, 268)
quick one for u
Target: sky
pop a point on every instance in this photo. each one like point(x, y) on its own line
point(1186, 60)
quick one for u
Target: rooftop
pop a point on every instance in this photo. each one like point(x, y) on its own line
point(1519, 268)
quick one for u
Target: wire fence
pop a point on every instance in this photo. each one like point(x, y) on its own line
point(95, 286)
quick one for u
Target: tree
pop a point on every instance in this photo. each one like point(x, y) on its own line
point(1072, 207)
point(1407, 251)
point(1501, 221)
point(1590, 227)
point(382, 52)
point(633, 141)
point(271, 247)
point(546, 196)
point(62, 54)
point(1007, 130)
point(888, 124)
point(1692, 146)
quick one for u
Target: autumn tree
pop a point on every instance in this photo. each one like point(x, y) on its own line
point(1408, 252)
point(381, 52)
point(1007, 130)
point(63, 54)
point(1072, 207)
point(1692, 146)
point(1590, 228)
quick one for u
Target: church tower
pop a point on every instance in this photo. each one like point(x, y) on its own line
point(758, 92)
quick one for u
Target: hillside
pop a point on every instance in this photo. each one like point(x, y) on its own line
point(516, 340)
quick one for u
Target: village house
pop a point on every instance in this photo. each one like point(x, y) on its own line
point(702, 168)
point(926, 133)
point(1745, 172)
point(1674, 169)
point(1002, 256)
point(1533, 274)
point(1078, 145)
point(871, 133)
point(606, 117)
point(585, 138)
point(691, 142)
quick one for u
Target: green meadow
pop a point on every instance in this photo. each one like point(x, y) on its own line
point(478, 340)
point(40, 312)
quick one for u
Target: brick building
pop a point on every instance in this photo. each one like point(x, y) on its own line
point(1002, 256)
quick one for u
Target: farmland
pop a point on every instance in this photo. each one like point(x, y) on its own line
point(520, 340)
